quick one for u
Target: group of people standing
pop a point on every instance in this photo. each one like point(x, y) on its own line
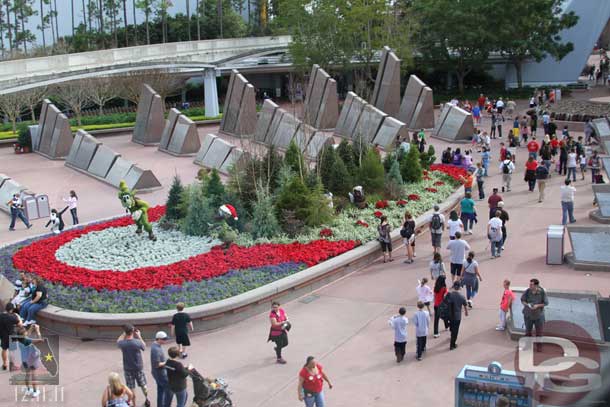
point(17, 210)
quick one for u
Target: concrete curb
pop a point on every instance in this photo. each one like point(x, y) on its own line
point(206, 317)
point(598, 217)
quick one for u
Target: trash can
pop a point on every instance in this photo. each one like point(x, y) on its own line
point(554, 244)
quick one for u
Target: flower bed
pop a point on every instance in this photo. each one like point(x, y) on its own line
point(114, 278)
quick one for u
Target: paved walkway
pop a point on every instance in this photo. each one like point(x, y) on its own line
point(344, 324)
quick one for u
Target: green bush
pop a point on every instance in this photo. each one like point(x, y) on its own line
point(293, 198)
point(410, 166)
point(346, 152)
point(24, 139)
point(294, 159)
point(214, 190)
point(264, 219)
point(173, 206)
point(200, 214)
point(333, 172)
point(427, 158)
point(371, 172)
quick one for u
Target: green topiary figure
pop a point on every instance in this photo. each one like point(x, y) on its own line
point(410, 166)
point(137, 208)
point(371, 175)
point(174, 209)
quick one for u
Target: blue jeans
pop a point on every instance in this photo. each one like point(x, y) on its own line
point(571, 170)
point(29, 310)
point(316, 399)
point(496, 248)
point(534, 155)
point(17, 213)
point(567, 210)
point(468, 221)
point(164, 394)
point(180, 398)
point(547, 165)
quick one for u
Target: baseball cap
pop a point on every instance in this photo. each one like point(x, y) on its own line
point(161, 335)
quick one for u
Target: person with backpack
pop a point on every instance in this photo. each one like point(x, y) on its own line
point(545, 154)
point(542, 173)
point(507, 167)
point(530, 173)
point(440, 290)
point(437, 267)
point(384, 238)
point(437, 224)
point(408, 234)
point(470, 274)
point(455, 301)
point(494, 234)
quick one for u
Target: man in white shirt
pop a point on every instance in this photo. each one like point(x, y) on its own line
point(507, 168)
point(399, 324)
point(16, 206)
point(500, 105)
point(458, 249)
point(494, 233)
point(567, 202)
point(437, 224)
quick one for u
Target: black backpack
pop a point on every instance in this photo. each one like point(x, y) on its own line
point(444, 308)
point(435, 223)
point(407, 230)
point(505, 168)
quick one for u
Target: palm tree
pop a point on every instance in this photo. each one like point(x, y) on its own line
point(55, 15)
point(188, 17)
point(135, 23)
point(42, 24)
point(125, 22)
point(198, 5)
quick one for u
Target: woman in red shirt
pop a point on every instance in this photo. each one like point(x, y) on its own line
point(440, 290)
point(311, 383)
point(278, 332)
point(530, 173)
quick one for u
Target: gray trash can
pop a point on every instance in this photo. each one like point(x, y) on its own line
point(554, 244)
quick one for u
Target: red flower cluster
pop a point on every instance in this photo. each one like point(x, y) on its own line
point(439, 183)
point(402, 202)
point(451, 170)
point(326, 232)
point(39, 258)
point(430, 189)
point(413, 197)
point(425, 172)
point(360, 222)
point(378, 214)
point(381, 204)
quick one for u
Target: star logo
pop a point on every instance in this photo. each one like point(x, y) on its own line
point(48, 357)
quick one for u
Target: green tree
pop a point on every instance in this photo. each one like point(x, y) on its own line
point(173, 206)
point(293, 198)
point(410, 166)
point(427, 158)
point(371, 174)
point(346, 152)
point(200, 214)
point(333, 172)
point(455, 35)
point(535, 34)
point(394, 187)
point(318, 211)
point(264, 219)
point(214, 190)
point(294, 159)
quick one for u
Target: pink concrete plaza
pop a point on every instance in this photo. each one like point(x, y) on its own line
point(345, 327)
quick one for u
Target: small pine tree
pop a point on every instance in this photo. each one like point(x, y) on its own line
point(318, 211)
point(214, 189)
point(200, 214)
point(294, 159)
point(327, 159)
point(360, 148)
point(394, 187)
point(410, 166)
point(173, 207)
point(333, 173)
point(346, 152)
point(394, 172)
point(264, 219)
point(371, 172)
point(294, 198)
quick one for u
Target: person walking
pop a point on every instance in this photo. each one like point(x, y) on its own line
point(408, 236)
point(530, 173)
point(424, 293)
point(563, 158)
point(131, 344)
point(470, 274)
point(437, 267)
point(507, 167)
point(9, 320)
point(457, 301)
point(479, 173)
point(468, 180)
point(440, 290)
point(458, 248)
point(594, 164)
point(278, 332)
point(72, 202)
point(534, 300)
point(311, 383)
point(494, 122)
point(116, 394)
point(16, 207)
point(542, 174)
point(504, 218)
point(567, 202)
point(384, 238)
point(485, 157)
point(176, 377)
point(158, 371)
point(421, 320)
point(30, 357)
point(493, 201)
point(437, 224)
point(533, 147)
point(546, 154)
point(494, 234)
point(467, 213)
point(181, 322)
point(533, 123)
point(399, 325)
point(571, 164)
point(508, 296)
point(454, 224)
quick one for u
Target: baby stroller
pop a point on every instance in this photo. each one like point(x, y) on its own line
point(210, 393)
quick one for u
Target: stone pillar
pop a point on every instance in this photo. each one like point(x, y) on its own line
point(211, 93)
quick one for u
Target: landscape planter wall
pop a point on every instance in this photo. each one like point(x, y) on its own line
point(88, 325)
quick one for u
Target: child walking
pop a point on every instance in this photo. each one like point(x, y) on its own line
point(399, 324)
point(424, 293)
point(505, 304)
point(437, 267)
point(421, 320)
point(181, 322)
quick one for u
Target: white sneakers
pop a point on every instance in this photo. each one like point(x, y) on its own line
point(500, 328)
point(32, 393)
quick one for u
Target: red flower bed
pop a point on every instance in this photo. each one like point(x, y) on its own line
point(439, 183)
point(413, 197)
point(378, 214)
point(326, 232)
point(402, 202)
point(39, 258)
point(362, 223)
point(430, 189)
point(381, 204)
point(451, 170)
